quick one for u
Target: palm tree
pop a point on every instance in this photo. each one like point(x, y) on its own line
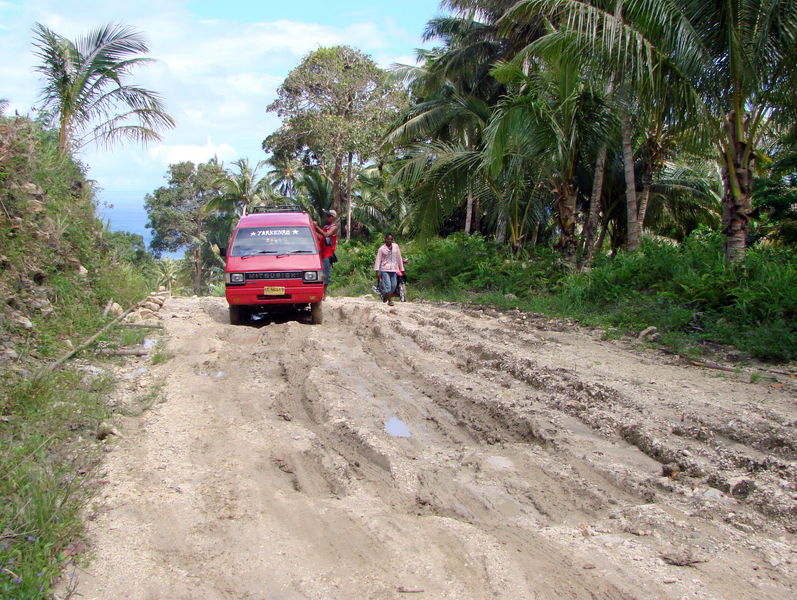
point(240, 189)
point(552, 119)
point(381, 206)
point(168, 273)
point(683, 197)
point(730, 63)
point(284, 175)
point(317, 193)
point(454, 88)
point(85, 87)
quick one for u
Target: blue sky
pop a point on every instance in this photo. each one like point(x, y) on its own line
point(219, 65)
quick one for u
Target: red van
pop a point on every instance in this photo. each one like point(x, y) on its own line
point(273, 262)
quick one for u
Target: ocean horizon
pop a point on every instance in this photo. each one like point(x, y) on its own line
point(124, 211)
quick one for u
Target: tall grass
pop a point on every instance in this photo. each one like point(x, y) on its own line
point(43, 463)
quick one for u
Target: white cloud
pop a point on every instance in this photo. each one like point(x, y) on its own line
point(169, 154)
point(216, 76)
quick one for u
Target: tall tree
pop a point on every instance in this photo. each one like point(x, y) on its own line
point(86, 87)
point(335, 106)
point(731, 62)
point(177, 212)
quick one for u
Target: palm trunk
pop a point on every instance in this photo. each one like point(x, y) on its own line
point(535, 232)
point(594, 209)
point(477, 214)
point(737, 181)
point(643, 202)
point(566, 215)
point(469, 200)
point(500, 227)
point(63, 136)
point(469, 212)
point(197, 270)
point(602, 234)
point(633, 229)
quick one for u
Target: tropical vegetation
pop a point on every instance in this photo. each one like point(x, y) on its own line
point(625, 163)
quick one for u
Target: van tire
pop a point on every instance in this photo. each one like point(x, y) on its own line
point(316, 317)
point(238, 315)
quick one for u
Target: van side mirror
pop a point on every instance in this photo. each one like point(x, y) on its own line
point(222, 251)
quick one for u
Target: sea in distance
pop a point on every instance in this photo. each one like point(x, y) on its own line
point(124, 211)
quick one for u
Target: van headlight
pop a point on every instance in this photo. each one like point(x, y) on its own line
point(312, 276)
point(234, 278)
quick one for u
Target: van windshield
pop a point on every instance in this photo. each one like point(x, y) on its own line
point(273, 240)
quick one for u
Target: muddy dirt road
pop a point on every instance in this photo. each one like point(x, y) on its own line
point(433, 452)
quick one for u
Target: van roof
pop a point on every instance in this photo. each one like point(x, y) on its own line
point(274, 219)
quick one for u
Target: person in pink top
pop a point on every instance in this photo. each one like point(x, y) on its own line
point(387, 265)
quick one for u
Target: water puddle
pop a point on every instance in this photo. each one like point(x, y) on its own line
point(397, 428)
point(216, 375)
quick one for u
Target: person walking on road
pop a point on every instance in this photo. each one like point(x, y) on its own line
point(328, 241)
point(387, 265)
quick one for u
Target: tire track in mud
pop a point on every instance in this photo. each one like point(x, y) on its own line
point(532, 467)
point(703, 445)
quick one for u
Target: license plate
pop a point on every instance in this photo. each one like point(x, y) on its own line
point(273, 291)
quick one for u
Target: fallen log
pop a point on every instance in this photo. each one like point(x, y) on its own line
point(711, 365)
point(123, 352)
point(85, 344)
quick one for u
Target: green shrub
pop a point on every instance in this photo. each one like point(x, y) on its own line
point(692, 290)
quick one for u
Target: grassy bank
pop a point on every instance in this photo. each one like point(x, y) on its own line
point(59, 269)
point(687, 291)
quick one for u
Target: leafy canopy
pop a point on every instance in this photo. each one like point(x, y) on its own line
point(336, 101)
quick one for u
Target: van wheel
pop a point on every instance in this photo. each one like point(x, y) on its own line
point(239, 315)
point(316, 318)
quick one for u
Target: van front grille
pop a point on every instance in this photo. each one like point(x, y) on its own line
point(275, 275)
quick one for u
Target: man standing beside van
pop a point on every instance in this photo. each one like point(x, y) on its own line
point(328, 241)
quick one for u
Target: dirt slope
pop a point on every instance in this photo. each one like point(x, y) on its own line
point(533, 466)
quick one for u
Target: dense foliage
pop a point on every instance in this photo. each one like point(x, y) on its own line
point(688, 291)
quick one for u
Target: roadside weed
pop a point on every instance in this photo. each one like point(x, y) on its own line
point(161, 354)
